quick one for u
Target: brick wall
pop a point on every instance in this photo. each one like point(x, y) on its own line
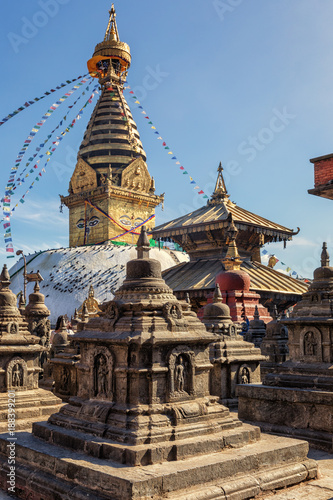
point(323, 171)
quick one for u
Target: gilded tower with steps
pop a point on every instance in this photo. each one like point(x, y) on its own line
point(111, 191)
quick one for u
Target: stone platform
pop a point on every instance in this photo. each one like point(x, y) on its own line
point(301, 413)
point(234, 473)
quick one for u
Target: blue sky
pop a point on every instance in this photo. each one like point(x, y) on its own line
point(245, 83)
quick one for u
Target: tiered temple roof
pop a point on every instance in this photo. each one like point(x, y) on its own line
point(204, 235)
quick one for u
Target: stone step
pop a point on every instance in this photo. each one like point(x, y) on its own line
point(233, 474)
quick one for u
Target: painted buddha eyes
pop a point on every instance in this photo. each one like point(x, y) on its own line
point(93, 221)
point(126, 221)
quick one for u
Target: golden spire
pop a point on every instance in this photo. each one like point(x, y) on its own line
point(231, 260)
point(220, 192)
point(112, 30)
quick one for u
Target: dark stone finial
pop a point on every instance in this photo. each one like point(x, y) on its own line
point(36, 288)
point(143, 245)
point(5, 277)
point(325, 258)
point(217, 294)
point(187, 298)
point(63, 324)
point(256, 314)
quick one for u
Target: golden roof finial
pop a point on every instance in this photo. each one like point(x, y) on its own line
point(220, 191)
point(112, 30)
point(231, 260)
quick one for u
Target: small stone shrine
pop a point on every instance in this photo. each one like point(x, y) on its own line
point(66, 356)
point(37, 316)
point(257, 329)
point(234, 360)
point(20, 353)
point(296, 398)
point(143, 423)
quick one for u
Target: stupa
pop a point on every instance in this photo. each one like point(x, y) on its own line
point(296, 396)
point(20, 353)
point(143, 423)
point(235, 361)
point(203, 234)
point(111, 191)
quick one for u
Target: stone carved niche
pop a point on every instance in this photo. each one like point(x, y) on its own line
point(13, 328)
point(64, 386)
point(84, 177)
point(136, 177)
point(244, 375)
point(311, 344)
point(112, 313)
point(232, 330)
point(181, 373)
point(17, 374)
point(174, 315)
point(103, 378)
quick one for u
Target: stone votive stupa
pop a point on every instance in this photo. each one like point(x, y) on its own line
point(235, 361)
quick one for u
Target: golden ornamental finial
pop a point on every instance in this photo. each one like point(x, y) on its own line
point(220, 192)
point(231, 260)
point(112, 30)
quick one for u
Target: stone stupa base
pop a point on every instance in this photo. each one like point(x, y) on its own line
point(46, 472)
point(30, 406)
point(142, 435)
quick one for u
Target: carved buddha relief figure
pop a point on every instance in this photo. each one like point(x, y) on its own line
point(64, 382)
point(244, 377)
point(101, 374)
point(181, 374)
point(17, 376)
point(310, 344)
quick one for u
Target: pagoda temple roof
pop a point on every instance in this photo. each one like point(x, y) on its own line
point(215, 215)
point(200, 274)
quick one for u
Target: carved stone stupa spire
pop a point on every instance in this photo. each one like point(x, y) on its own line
point(325, 258)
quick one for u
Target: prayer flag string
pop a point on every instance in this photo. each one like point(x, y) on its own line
point(27, 104)
point(173, 157)
point(7, 226)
